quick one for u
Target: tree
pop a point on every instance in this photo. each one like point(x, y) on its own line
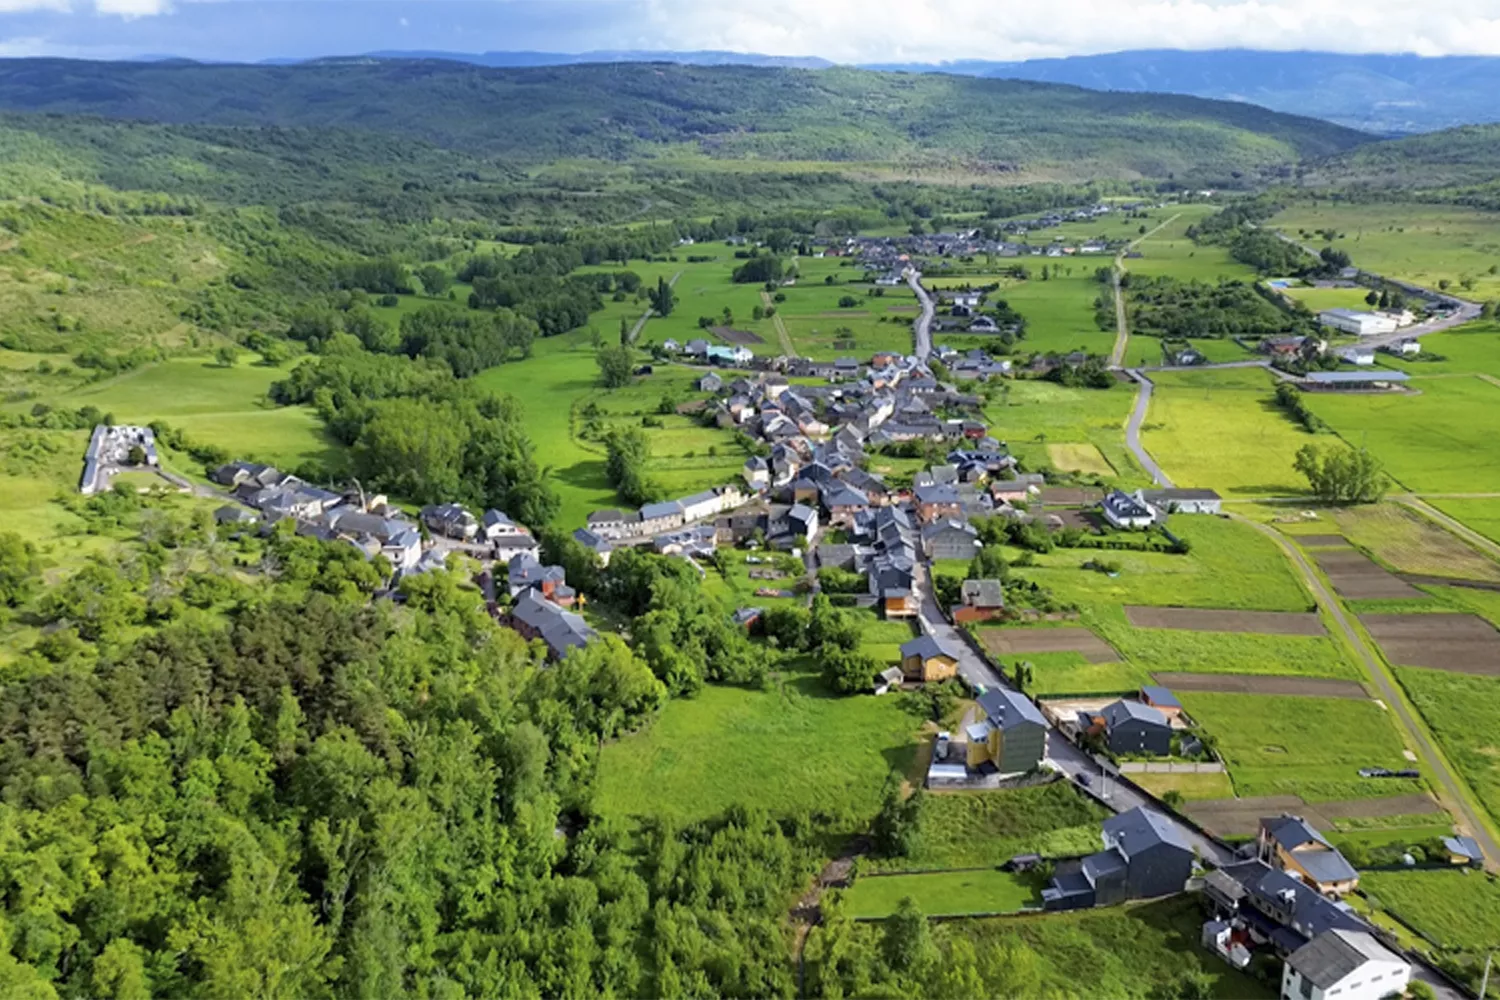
point(627, 455)
point(435, 281)
point(20, 570)
point(615, 365)
point(1372, 297)
point(1342, 475)
point(624, 332)
point(662, 298)
point(226, 355)
point(898, 825)
point(847, 302)
point(136, 455)
point(906, 939)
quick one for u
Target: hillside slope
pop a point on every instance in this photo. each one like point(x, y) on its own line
point(624, 111)
point(1453, 157)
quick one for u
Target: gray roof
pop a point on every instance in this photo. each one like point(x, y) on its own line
point(1096, 866)
point(1006, 708)
point(924, 646)
point(1326, 865)
point(666, 508)
point(1334, 378)
point(1141, 829)
point(984, 593)
point(937, 494)
point(1177, 493)
point(1333, 955)
point(1465, 846)
point(1311, 913)
point(1119, 712)
point(590, 540)
point(1125, 505)
point(1160, 695)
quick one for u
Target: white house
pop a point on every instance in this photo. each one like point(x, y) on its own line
point(1362, 324)
point(1351, 965)
point(1124, 511)
point(1358, 355)
point(1181, 501)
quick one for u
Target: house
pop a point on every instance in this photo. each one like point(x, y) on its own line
point(236, 473)
point(803, 520)
point(1162, 700)
point(595, 543)
point(698, 347)
point(1464, 851)
point(1011, 738)
point(1131, 727)
point(450, 520)
point(1405, 348)
point(608, 523)
point(535, 617)
point(979, 600)
point(1274, 907)
point(1290, 844)
point(1144, 856)
point(507, 538)
point(526, 573)
point(712, 382)
point(746, 618)
point(843, 502)
point(1361, 324)
point(1358, 355)
point(924, 659)
point(897, 602)
point(396, 539)
point(234, 515)
point(1181, 501)
point(936, 502)
point(1021, 488)
point(756, 472)
point(655, 517)
point(950, 538)
point(1351, 965)
point(1125, 511)
point(671, 345)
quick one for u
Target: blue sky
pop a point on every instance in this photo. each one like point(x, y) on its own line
point(843, 30)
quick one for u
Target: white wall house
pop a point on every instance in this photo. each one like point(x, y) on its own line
point(1362, 324)
point(1349, 965)
point(1125, 511)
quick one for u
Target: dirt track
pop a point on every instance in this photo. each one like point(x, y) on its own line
point(1465, 644)
point(1358, 577)
point(1309, 687)
point(1211, 620)
point(1018, 642)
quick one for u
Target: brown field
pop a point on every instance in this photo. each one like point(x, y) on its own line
point(1466, 644)
point(1356, 576)
point(1322, 541)
point(1311, 687)
point(1239, 817)
point(1208, 620)
point(733, 336)
point(1409, 543)
point(1068, 639)
point(1069, 496)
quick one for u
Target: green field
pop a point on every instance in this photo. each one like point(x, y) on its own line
point(1310, 747)
point(1433, 440)
point(1156, 650)
point(789, 749)
point(987, 829)
point(1171, 252)
point(1032, 415)
point(1481, 515)
point(1319, 299)
point(1214, 785)
point(1458, 909)
point(1409, 543)
point(1059, 312)
point(944, 893)
point(1473, 347)
point(1221, 429)
point(1416, 242)
point(1463, 712)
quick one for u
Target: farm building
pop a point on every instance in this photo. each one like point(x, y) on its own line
point(1361, 324)
point(1124, 511)
point(1181, 501)
point(1352, 381)
point(979, 600)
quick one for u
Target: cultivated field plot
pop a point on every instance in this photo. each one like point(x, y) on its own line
point(1241, 816)
point(1210, 620)
point(1322, 541)
point(1359, 578)
point(1305, 687)
point(1409, 543)
point(1309, 747)
point(1463, 712)
point(1067, 639)
point(1473, 347)
point(1083, 458)
point(1465, 644)
point(733, 336)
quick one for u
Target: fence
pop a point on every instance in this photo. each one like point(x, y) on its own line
point(1173, 767)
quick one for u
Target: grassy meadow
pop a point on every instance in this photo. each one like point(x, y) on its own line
point(1409, 543)
point(955, 893)
point(1033, 417)
point(1463, 712)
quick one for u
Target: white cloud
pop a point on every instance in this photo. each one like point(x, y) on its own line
point(934, 30)
point(133, 8)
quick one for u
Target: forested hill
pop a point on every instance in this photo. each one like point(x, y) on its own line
point(1459, 156)
point(619, 111)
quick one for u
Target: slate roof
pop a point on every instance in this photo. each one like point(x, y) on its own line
point(1179, 493)
point(652, 511)
point(1161, 696)
point(937, 494)
point(983, 593)
point(1122, 505)
point(1466, 847)
point(1117, 713)
point(1141, 829)
point(924, 646)
point(1332, 956)
point(1097, 866)
point(1311, 913)
point(1005, 708)
point(1292, 832)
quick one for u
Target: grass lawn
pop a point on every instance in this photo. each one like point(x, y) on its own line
point(980, 829)
point(1060, 311)
point(1419, 243)
point(216, 405)
point(944, 893)
point(1128, 951)
point(1311, 747)
point(1409, 543)
point(1440, 439)
point(1221, 429)
point(1459, 909)
point(1463, 712)
point(1190, 786)
point(1473, 347)
point(1031, 415)
point(1231, 565)
point(1319, 299)
point(795, 748)
point(1071, 674)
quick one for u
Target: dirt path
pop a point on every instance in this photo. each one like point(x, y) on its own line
point(640, 324)
point(808, 911)
point(1452, 792)
point(781, 334)
point(1122, 323)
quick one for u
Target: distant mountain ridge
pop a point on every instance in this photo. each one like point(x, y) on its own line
point(619, 111)
point(1385, 94)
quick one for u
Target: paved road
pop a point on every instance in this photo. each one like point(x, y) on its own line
point(922, 326)
point(1122, 323)
point(1133, 431)
point(1452, 789)
point(971, 666)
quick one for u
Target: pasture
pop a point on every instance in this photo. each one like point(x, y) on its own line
point(1463, 712)
point(959, 893)
point(1481, 515)
point(1319, 299)
point(1311, 747)
point(1222, 429)
point(791, 748)
point(1170, 251)
point(1471, 348)
point(1059, 311)
point(1425, 244)
point(1434, 440)
point(1032, 415)
point(1458, 909)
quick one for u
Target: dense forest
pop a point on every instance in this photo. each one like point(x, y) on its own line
point(613, 112)
point(1167, 307)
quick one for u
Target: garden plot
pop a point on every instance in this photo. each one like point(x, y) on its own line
point(1306, 687)
point(1209, 620)
point(1241, 817)
point(1411, 544)
point(1322, 541)
point(733, 336)
point(1465, 644)
point(1069, 639)
point(1357, 577)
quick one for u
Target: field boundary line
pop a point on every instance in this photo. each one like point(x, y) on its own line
point(1454, 790)
point(781, 334)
